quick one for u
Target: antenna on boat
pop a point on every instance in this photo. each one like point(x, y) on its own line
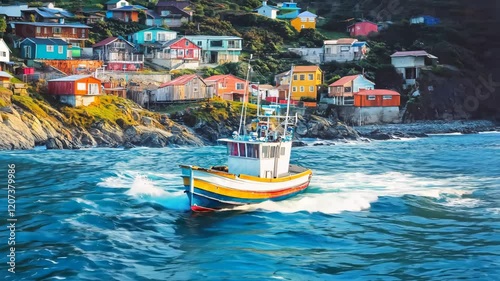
point(288, 101)
point(243, 116)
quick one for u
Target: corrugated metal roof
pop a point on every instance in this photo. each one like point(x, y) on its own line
point(222, 76)
point(104, 42)
point(5, 74)
point(181, 80)
point(344, 80)
point(195, 37)
point(305, 68)
point(420, 53)
point(307, 14)
point(377, 92)
point(46, 41)
point(53, 24)
point(70, 78)
point(13, 11)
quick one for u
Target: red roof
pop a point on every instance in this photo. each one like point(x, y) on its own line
point(377, 92)
point(344, 80)
point(179, 81)
point(105, 41)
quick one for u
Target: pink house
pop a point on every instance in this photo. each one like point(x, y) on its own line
point(363, 28)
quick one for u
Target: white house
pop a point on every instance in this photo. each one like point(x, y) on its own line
point(344, 49)
point(312, 55)
point(267, 11)
point(4, 54)
point(410, 64)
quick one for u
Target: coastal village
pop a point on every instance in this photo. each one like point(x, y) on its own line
point(52, 45)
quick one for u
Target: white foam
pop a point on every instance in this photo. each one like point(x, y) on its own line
point(462, 202)
point(143, 186)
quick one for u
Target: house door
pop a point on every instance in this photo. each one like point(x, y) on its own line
point(27, 52)
point(213, 57)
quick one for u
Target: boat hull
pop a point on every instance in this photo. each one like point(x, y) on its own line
point(210, 190)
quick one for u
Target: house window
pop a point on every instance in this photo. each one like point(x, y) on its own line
point(370, 97)
point(56, 30)
point(81, 86)
point(410, 73)
point(387, 97)
point(240, 86)
point(73, 30)
point(302, 26)
point(328, 50)
point(302, 88)
point(3, 54)
point(295, 77)
point(216, 43)
point(345, 48)
point(181, 53)
point(148, 36)
point(187, 43)
point(311, 76)
point(294, 89)
point(311, 88)
point(161, 36)
point(347, 89)
point(38, 29)
point(50, 48)
point(60, 49)
point(302, 77)
point(199, 43)
point(45, 30)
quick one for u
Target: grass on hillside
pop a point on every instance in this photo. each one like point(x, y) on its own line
point(30, 104)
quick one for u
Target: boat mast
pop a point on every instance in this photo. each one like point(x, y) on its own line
point(288, 101)
point(243, 116)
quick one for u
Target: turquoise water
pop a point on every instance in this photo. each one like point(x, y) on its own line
point(419, 209)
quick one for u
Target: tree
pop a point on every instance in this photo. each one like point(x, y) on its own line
point(3, 25)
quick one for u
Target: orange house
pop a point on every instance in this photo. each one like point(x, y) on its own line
point(377, 98)
point(76, 90)
point(304, 20)
point(228, 87)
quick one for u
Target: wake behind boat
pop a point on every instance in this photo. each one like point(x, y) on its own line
point(258, 166)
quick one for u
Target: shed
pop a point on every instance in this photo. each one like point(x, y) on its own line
point(377, 98)
point(5, 79)
point(76, 90)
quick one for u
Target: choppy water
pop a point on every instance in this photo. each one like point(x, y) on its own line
point(419, 209)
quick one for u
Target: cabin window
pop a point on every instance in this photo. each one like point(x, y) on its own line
point(199, 43)
point(345, 48)
point(311, 76)
point(73, 30)
point(38, 29)
point(56, 30)
point(273, 151)
point(387, 97)
point(239, 86)
point(265, 152)
point(216, 43)
point(294, 89)
point(295, 77)
point(311, 88)
point(242, 150)
point(302, 77)
point(253, 150)
point(370, 97)
point(50, 48)
point(60, 49)
point(302, 88)
point(148, 36)
point(282, 151)
point(81, 86)
point(347, 89)
point(3, 54)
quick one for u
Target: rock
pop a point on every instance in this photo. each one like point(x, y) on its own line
point(146, 121)
point(54, 143)
point(7, 109)
point(376, 135)
point(128, 145)
point(468, 131)
point(297, 143)
point(318, 144)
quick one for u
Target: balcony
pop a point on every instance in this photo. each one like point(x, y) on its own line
point(124, 57)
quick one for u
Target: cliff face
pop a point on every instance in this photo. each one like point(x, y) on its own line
point(26, 122)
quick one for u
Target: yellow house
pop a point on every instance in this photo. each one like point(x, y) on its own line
point(304, 20)
point(305, 81)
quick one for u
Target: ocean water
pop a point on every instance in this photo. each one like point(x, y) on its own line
point(416, 209)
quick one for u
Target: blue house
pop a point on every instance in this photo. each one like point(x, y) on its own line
point(152, 35)
point(287, 10)
point(45, 49)
point(427, 20)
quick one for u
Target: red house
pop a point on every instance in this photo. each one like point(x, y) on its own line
point(76, 90)
point(179, 53)
point(228, 87)
point(376, 98)
point(363, 28)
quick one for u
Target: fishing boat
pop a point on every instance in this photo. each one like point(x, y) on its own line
point(258, 164)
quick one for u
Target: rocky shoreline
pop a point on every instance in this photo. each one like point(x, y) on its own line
point(424, 128)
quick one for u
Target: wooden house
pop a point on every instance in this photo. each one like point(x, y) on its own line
point(410, 64)
point(74, 33)
point(267, 10)
point(228, 87)
point(363, 28)
point(4, 54)
point(344, 49)
point(184, 88)
point(218, 49)
point(343, 90)
point(5, 79)
point(125, 13)
point(173, 16)
point(44, 49)
point(304, 20)
point(178, 53)
point(150, 40)
point(118, 54)
point(76, 90)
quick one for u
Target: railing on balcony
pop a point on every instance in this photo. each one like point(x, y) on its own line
point(125, 57)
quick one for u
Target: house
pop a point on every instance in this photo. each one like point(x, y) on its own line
point(183, 5)
point(410, 64)
point(184, 88)
point(312, 55)
point(125, 13)
point(267, 11)
point(178, 53)
point(4, 54)
point(153, 18)
point(12, 12)
point(114, 4)
point(304, 20)
point(426, 20)
point(74, 33)
point(218, 49)
point(90, 16)
point(5, 79)
point(45, 49)
point(287, 10)
point(305, 82)
point(374, 107)
point(228, 87)
point(76, 90)
point(173, 16)
point(150, 40)
point(343, 90)
point(344, 49)
point(47, 13)
point(118, 54)
point(363, 28)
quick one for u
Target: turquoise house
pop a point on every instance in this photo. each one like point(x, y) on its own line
point(45, 49)
point(218, 49)
point(287, 10)
point(152, 35)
